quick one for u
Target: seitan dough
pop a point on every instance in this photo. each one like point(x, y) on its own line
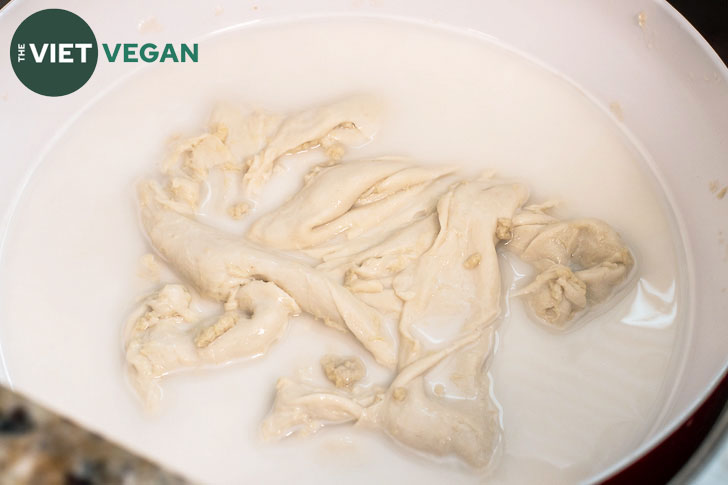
point(400, 255)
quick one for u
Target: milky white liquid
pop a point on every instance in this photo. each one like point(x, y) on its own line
point(573, 404)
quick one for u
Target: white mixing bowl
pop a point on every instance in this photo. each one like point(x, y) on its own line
point(672, 88)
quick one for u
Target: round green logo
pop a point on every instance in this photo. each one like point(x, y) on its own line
point(54, 52)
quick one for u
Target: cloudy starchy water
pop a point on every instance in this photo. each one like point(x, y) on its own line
point(572, 403)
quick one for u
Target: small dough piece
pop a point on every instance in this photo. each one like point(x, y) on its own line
point(556, 295)
point(580, 262)
point(244, 131)
point(301, 409)
point(209, 334)
point(346, 122)
point(238, 211)
point(473, 261)
point(504, 229)
point(185, 191)
point(164, 334)
point(194, 157)
point(343, 372)
point(399, 394)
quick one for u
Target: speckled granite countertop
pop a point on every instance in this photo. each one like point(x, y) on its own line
point(40, 447)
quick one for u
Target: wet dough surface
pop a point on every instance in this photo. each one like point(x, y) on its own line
point(385, 249)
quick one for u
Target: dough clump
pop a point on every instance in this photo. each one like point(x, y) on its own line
point(384, 249)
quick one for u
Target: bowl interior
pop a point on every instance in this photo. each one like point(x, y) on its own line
point(672, 89)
